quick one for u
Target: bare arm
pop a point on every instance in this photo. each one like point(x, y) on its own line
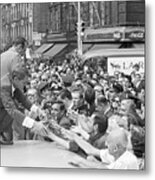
point(58, 140)
point(87, 147)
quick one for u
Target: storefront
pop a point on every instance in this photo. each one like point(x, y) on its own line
point(121, 60)
point(94, 41)
point(118, 48)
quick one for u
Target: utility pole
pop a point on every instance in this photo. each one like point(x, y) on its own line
point(79, 40)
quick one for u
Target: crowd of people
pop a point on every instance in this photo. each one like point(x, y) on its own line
point(80, 106)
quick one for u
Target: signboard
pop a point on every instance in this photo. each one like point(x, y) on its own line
point(135, 35)
point(37, 36)
point(99, 36)
point(117, 35)
point(125, 64)
point(37, 42)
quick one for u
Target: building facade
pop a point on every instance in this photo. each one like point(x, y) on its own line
point(118, 24)
point(96, 15)
point(29, 20)
point(56, 22)
point(16, 21)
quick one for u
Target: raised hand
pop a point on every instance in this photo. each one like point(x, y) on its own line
point(39, 128)
point(68, 134)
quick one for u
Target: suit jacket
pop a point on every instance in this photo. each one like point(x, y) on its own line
point(8, 60)
point(5, 119)
point(9, 104)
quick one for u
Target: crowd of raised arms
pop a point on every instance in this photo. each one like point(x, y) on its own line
point(78, 100)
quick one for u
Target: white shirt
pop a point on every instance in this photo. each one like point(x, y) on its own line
point(29, 122)
point(126, 161)
point(106, 157)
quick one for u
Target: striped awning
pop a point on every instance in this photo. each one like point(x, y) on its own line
point(55, 50)
point(43, 48)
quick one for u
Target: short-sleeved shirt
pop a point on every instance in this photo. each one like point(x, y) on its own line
point(126, 161)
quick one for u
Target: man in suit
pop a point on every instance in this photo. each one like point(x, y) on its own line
point(13, 78)
point(12, 90)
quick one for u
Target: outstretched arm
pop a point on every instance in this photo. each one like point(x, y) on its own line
point(87, 147)
point(58, 140)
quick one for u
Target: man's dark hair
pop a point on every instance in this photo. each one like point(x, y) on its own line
point(89, 94)
point(102, 122)
point(65, 94)
point(20, 41)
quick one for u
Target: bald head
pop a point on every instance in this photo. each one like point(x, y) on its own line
point(118, 137)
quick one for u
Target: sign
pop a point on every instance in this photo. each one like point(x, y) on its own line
point(135, 35)
point(37, 42)
point(125, 64)
point(37, 36)
point(22, 22)
point(99, 36)
point(117, 35)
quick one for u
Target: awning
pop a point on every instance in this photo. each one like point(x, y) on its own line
point(55, 50)
point(105, 46)
point(139, 45)
point(43, 48)
point(126, 52)
point(86, 47)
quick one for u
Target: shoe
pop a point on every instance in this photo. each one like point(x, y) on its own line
point(6, 138)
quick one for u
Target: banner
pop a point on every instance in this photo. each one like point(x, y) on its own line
point(125, 64)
